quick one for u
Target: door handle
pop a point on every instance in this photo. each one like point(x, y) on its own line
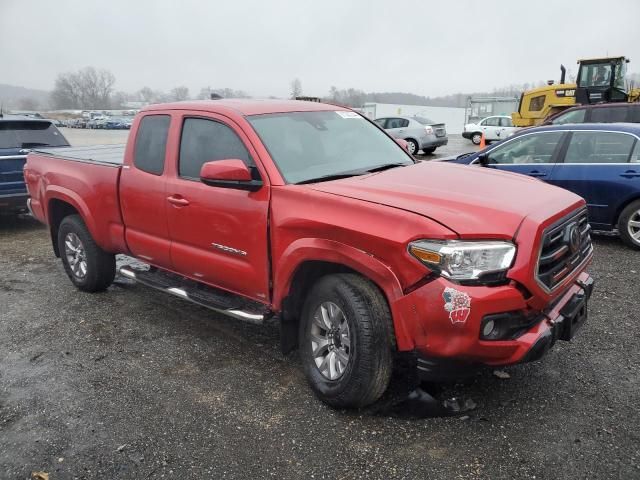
point(536, 173)
point(178, 201)
point(630, 174)
point(400, 131)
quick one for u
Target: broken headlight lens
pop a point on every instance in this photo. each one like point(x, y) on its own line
point(464, 260)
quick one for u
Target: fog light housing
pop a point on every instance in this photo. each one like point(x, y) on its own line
point(488, 327)
point(508, 325)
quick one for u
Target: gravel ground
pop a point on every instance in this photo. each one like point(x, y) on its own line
point(133, 384)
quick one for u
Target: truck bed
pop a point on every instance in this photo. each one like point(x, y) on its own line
point(101, 154)
point(85, 178)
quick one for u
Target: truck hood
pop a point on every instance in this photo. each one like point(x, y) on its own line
point(474, 202)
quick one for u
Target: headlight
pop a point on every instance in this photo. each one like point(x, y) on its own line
point(464, 260)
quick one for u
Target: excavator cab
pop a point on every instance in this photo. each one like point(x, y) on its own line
point(601, 80)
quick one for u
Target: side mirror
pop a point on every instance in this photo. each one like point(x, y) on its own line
point(403, 143)
point(483, 160)
point(231, 173)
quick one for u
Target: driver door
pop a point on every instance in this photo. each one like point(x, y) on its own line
point(535, 154)
point(218, 235)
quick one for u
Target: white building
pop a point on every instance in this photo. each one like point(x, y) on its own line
point(453, 118)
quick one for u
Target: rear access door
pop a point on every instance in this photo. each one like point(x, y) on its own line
point(143, 191)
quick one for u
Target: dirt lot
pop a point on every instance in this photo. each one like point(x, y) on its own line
point(132, 384)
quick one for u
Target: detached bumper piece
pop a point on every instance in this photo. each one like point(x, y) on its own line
point(572, 316)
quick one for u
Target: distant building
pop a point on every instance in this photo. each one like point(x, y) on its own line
point(481, 107)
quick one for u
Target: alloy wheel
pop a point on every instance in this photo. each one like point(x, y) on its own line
point(76, 255)
point(330, 340)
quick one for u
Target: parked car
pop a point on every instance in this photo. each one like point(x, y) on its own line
point(495, 128)
point(309, 213)
point(78, 123)
point(598, 113)
point(420, 133)
point(600, 162)
point(17, 135)
point(113, 123)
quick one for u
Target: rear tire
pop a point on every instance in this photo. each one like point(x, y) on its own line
point(89, 268)
point(428, 151)
point(412, 146)
point(360, 340)
point(476, 138)
point(629, 225)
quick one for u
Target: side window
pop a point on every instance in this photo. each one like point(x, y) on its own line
point(609, 114)
point(535, 148)
point(491, 122)
point(635, 155)
point(395, 123)
point(506, 122)
point(380, 122)
point(205, 141)
point(151, 142)
point(404, 123)
point(575, 116)
point(537, 103)
point(599, 147)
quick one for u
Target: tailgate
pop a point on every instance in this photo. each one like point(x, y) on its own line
point(11, 176)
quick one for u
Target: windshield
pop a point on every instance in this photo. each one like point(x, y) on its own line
point(26, 134)
point(424, 121)
point(309, 145)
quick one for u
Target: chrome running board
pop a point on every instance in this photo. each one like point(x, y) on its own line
point(214, 299)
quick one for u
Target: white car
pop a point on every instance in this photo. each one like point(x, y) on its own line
point(494, 128)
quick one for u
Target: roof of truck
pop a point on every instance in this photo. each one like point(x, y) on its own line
point(244, 106)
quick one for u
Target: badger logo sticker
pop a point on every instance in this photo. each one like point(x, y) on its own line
point(458, 304)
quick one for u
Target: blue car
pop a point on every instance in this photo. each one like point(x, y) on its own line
point(600, 162)
point(17, 136)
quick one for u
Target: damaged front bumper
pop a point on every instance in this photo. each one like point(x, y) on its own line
point(456, 329)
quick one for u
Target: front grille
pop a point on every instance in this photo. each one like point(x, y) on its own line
point(565, 245)
point(440, 132)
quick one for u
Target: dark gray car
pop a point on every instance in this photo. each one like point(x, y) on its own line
point(419, 132)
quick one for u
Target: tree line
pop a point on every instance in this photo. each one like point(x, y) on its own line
point(92, 88)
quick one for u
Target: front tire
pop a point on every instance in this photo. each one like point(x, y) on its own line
point(412, 146)
point(346, 341)
point(476, 138)
point(629, 225)
point(90, 268)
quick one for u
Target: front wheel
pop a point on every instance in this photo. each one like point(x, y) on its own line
point(476, 138)
point(346, 341)
point(629, 225)
point(90, 268)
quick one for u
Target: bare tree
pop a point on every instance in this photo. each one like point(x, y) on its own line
point(296, 88)
point(87, 88)
point(179, 93)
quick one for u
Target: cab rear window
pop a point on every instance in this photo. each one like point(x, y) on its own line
point(30, 134)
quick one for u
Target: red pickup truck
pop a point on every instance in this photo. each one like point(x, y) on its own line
point(312, 213)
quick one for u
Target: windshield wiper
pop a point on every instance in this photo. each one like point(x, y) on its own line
point(33, 144)
point(326, 178)
point(386, 166)
point(464, 155)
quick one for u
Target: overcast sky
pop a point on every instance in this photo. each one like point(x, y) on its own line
point(424, 47)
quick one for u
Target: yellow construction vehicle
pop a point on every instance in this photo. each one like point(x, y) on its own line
point(599, 80)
